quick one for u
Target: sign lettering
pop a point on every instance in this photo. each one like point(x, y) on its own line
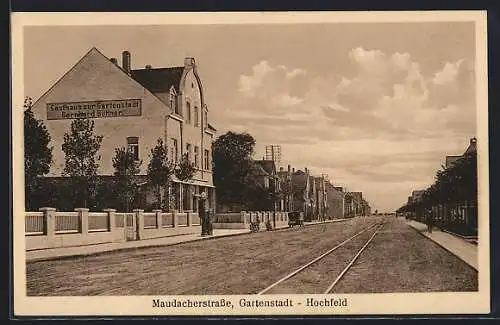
point(94, 109)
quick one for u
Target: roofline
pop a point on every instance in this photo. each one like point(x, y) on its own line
point(117, 67)
point(65, 74)
point(210, 132)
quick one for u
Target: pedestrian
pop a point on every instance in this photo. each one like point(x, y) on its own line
point(430, 222)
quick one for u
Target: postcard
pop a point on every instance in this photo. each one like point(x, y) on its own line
point(250, 164)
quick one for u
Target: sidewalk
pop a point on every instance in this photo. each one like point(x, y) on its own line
point(464, 250)
point(44, 254)
point(53, 253)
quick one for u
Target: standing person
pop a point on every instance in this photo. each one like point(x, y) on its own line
point(203, 215)
point(430, 221)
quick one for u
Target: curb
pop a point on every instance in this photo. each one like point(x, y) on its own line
point(469, 239)
point(421, 233)
point(119, 249)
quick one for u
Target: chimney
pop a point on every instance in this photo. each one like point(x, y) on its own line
point(305, 169)
point(189, 62)
point(289, 168)
point(126, 61)
point(114, 61)
point(281, 169)
point(148, 66)
point(293, 170)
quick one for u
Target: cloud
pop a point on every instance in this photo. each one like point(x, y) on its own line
point(249, 85)
point(295, 72)
point(448, 74)
point(286, 100)
point(384, 123)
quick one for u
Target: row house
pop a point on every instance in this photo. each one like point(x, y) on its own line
point(306, 193)
point(353, 204)
point(269, 179)
point(335, 201)
point(285, 179)
point(320, 198)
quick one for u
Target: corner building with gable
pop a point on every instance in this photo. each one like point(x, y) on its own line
point(133, 108)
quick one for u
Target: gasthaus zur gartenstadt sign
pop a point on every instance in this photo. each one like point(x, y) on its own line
point(94, 109)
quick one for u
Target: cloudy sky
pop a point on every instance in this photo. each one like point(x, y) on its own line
point(374, 106)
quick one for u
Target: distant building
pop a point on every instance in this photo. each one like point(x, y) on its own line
point(417, 195)
point(301, 192)
point(272, 182)
point(334, 202)
point(321, 197)
point(285, 177)
point(353, 204)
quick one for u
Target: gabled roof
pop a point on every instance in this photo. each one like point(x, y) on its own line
point(210, 127)
point(257, 170)
point(268, 165)
point(93, 53)
point(472, 148)
point(159, 80)
point(358, 196)
point(299, 180)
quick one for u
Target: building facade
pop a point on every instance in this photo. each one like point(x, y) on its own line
point(335, 201)
point(133, 108)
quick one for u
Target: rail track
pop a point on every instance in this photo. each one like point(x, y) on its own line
point(371, 231)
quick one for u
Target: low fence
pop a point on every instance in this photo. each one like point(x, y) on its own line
point(50, 229)
point(242, 220)
point(456, 218)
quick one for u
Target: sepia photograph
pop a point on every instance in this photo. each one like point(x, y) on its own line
point(250, 163)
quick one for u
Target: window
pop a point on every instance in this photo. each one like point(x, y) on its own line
point(196, 157)
point(266, 182)
point(196, 116)
point(188, 113)
point(173, 101)
point(207, 160)
point(133, 147)
point(188, 151)
point(175, 150)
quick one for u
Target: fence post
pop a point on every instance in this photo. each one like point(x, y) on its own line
point(158, 219)
point(174, 219)
point(139, 223)
point(84, 220)
point(111, 218)
point(49, 223)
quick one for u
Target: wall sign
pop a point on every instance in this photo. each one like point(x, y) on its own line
point(94, 109)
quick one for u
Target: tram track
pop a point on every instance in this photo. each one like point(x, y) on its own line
point(318, 272)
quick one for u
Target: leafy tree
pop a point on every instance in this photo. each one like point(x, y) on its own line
point(185, 169)
point(160, 170)
point(126, 170)
point(81, 149)
point(37, 153)
point(233, 167)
